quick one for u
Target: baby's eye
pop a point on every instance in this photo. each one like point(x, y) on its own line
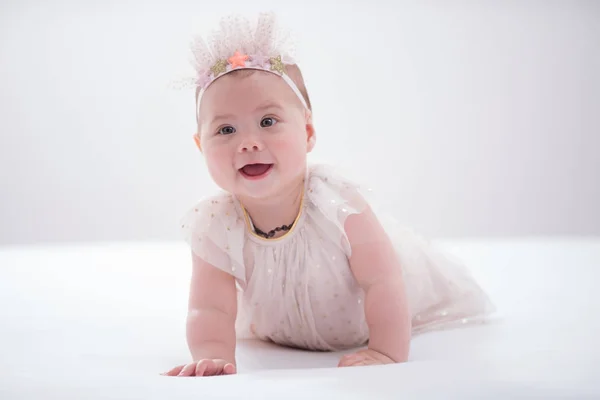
point(226, 130)
point(267, 122)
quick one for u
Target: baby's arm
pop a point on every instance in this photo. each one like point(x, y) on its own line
point(376, 267)
point(212, 311)
point(211, 318)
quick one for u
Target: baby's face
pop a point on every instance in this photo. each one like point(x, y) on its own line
point(254, 133)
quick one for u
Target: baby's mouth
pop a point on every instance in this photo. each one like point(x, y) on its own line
point(255, 170)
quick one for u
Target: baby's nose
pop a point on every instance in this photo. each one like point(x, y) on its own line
point(249, 147)
point(250, 144)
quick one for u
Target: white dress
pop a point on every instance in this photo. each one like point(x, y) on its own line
point(298, 290)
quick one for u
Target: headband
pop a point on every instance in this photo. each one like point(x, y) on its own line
point(237, 46)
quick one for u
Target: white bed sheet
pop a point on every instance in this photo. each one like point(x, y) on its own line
point(102, 321)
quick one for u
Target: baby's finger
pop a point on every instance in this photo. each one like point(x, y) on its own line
point(205, 367)
point(348, 360)
point(174, 371)
point(217, 367)
point(229, 369)
point(188, 370)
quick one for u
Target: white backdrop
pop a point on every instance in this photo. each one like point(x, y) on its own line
point(471, 119)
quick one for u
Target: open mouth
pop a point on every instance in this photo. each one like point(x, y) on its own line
point(255, 171)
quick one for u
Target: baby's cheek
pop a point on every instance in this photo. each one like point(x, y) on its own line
point(219, 166)
point(290, 151)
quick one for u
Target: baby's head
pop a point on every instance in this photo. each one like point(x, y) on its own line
point(254, 121)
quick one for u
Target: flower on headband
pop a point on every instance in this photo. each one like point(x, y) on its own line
point(277, 65)
point(238, 60)
point(203, 80)
point(219, 67)
point(258, 60)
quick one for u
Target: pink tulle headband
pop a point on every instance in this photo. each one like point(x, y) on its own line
point(237, 46)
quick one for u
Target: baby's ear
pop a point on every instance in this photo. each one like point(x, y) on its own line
point(311, 144)
point(197, 140)
point(311, 137)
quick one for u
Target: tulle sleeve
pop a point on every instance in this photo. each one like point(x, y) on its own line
point(332, 199)
point(214, 231)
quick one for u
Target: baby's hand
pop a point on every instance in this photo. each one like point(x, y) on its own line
point(203, 368)
point(364, 357)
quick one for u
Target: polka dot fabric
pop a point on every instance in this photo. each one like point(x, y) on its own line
point(298, 290)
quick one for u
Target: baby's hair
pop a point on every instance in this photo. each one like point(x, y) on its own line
point(293, 72)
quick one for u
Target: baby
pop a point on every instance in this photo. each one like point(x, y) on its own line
point(291, 252)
